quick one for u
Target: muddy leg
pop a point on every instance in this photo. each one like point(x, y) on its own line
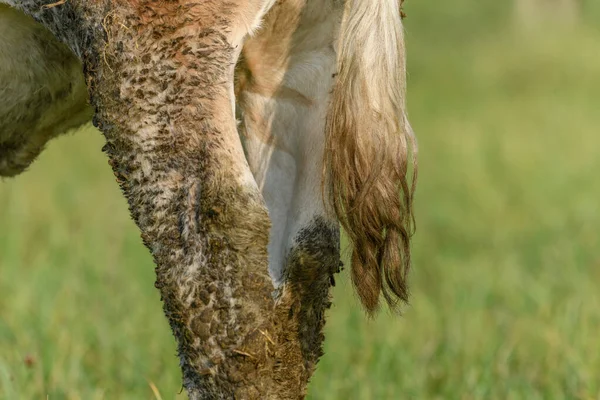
point(160, 75)
point(167, 113)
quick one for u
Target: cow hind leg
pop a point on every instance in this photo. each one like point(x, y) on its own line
point(283, 84)
point(173, 144)
point(42, 90)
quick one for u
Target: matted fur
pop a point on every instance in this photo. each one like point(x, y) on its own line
point(369, 146)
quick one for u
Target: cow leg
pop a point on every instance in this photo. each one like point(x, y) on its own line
point(160, 75)
point(173, 142)
point(284, 79)
point(42, 90)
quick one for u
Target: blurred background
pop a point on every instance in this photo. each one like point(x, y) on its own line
point(505, 99)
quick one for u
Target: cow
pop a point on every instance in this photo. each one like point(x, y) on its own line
point(242, 133)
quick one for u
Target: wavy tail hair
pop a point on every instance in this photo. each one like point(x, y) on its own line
point(370, 164)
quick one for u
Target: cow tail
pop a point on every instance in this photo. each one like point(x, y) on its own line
point(370, 157)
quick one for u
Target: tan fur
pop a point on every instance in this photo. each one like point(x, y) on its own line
point(368, 151)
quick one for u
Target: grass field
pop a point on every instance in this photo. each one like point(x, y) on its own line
point(506, 280)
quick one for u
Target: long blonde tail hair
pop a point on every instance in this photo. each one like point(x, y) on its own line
point(370, 148)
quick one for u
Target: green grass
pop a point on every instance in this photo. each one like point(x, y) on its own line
point(506, 299)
